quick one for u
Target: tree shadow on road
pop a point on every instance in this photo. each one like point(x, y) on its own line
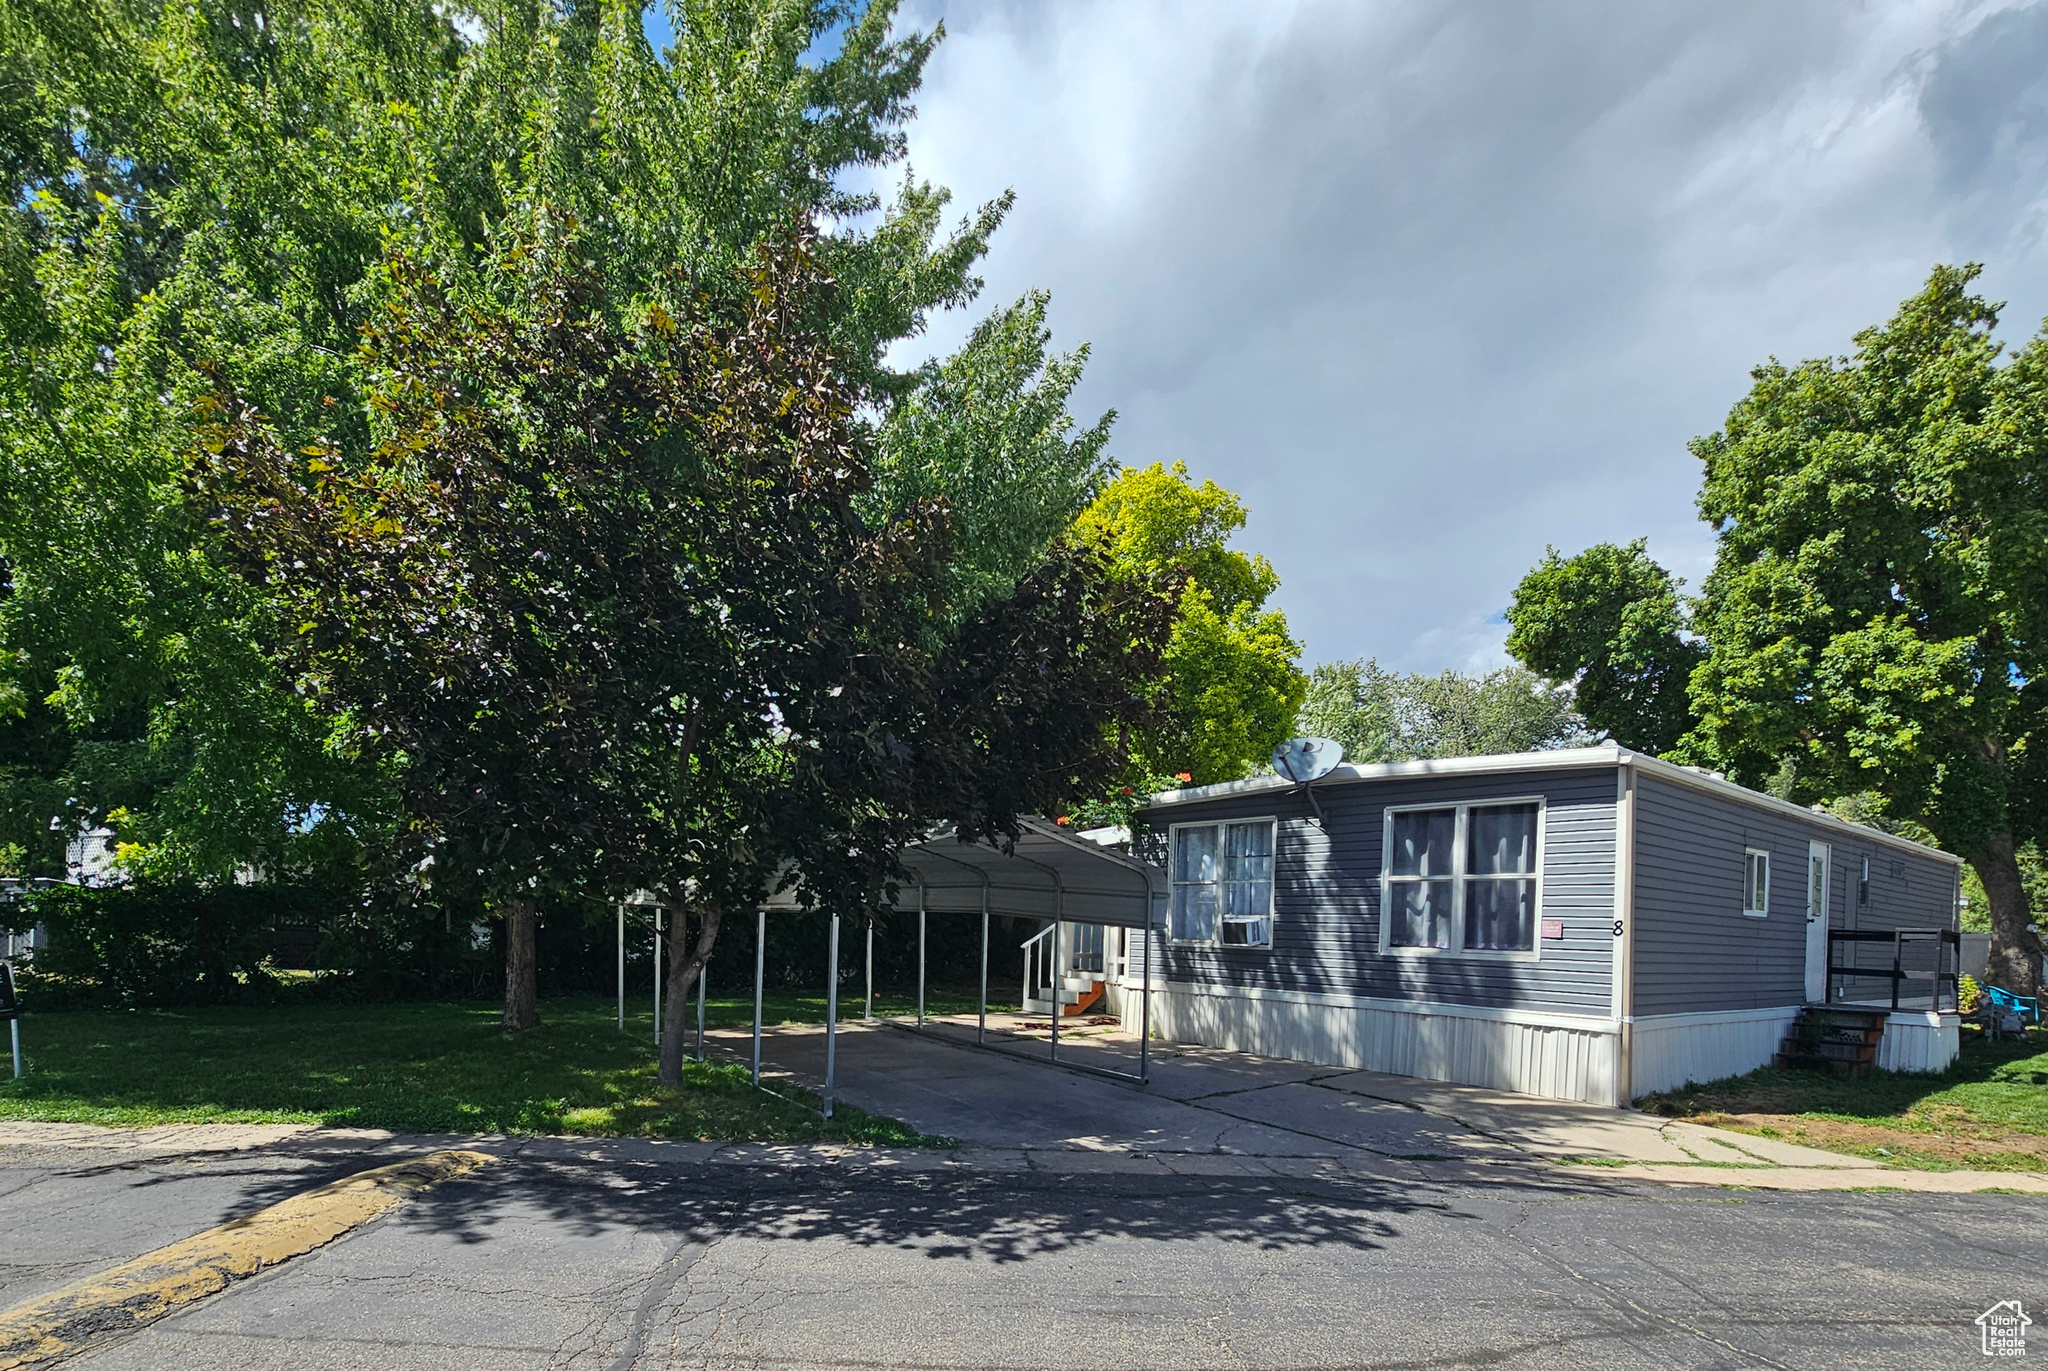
point(1000, 1217)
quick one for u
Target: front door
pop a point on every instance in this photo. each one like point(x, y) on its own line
point(1817, 862)
point(1088, 948)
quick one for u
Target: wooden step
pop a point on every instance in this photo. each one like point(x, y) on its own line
point(1836, 1052)
point(1073, 1003)
point(1832, 1038)
point(1796, 1062)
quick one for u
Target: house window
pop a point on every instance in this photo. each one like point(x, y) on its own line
point(1223, 883)
point(1863, 884)
point(1756, 882)
point(1462, 878)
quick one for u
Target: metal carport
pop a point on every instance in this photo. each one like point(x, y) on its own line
point(1046, 873)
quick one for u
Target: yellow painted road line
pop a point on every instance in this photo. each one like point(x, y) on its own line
point(125, 1297)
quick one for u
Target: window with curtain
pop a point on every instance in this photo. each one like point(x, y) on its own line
point(1500, 878)
point(1422, 878)
point(1223, 883)
point(1462, 878)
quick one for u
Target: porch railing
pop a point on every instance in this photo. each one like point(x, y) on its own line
point(1082, 948)
point(1933, 955)
point(1041, 978)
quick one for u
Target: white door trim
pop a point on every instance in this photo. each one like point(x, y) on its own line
point(1820, 862)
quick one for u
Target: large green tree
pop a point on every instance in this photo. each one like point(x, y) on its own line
point(210, 186)
point(1610, 622)
point(1877, 616)
point(189, 188)
point(204, 199)
point(1231, 686)
point(1878, 608)
point(988, 431)
point(574, 552)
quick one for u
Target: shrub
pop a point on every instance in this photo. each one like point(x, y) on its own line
point(164, 943)
point(158, 944)
point(387, 951)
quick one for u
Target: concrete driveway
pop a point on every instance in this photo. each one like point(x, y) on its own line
point(1208, 1102)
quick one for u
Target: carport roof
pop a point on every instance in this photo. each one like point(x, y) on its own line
point(1046, 873)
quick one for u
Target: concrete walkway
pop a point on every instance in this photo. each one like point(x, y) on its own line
point(1228, 1112)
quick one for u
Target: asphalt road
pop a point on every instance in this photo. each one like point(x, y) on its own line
point(617, 1256)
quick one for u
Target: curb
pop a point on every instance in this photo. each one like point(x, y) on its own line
point(1551, 1167)
point(1814, 1178)
point(126, 1297)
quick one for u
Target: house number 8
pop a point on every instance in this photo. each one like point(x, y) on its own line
point(1617, 928)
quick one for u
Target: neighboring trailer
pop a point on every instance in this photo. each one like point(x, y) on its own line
point(1524, 890)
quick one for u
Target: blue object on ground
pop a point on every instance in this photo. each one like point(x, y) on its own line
point(2027, 1006)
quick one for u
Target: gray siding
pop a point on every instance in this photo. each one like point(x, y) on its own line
point(1694, 949)
point(1326, 896)
point(1906, 891)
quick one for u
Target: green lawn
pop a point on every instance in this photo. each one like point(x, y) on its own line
point(1989, 1111)
point(419, 1068)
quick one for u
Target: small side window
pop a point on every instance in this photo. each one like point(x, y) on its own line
point(1756, 882)
point(1863, 884)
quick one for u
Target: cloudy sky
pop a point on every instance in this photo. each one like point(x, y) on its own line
point(1434, 285)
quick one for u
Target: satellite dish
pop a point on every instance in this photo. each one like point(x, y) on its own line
point(1307, 759)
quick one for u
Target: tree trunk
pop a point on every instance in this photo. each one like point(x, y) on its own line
point(2015, 963)
point(685, 964)
point(522, 1009)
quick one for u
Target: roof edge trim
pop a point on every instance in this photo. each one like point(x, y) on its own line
point(1721, 785)
point(1559, 759)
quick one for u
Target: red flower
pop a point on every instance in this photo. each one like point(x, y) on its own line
point(1128, 791)
point(1063, 819)
point(1183, 776)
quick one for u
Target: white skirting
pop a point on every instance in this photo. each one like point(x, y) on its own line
point(1566, 1057)
point(1915, 1041)
point(1669, 1050)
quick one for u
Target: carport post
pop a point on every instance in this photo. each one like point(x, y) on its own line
point(1059, 971)
point(760, 962)
point(1145, 995)
point(622, 967)
point(920, 953)
point(659, 967)
point(981, 1021)
point(832, 1015)
point(702, 971)
point(1059, 979)
point(868, 1014)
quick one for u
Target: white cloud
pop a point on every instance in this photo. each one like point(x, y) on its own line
point(1433, 285)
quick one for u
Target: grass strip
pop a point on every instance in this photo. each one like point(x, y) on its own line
point(413, 1068)
point(1987, 1112)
